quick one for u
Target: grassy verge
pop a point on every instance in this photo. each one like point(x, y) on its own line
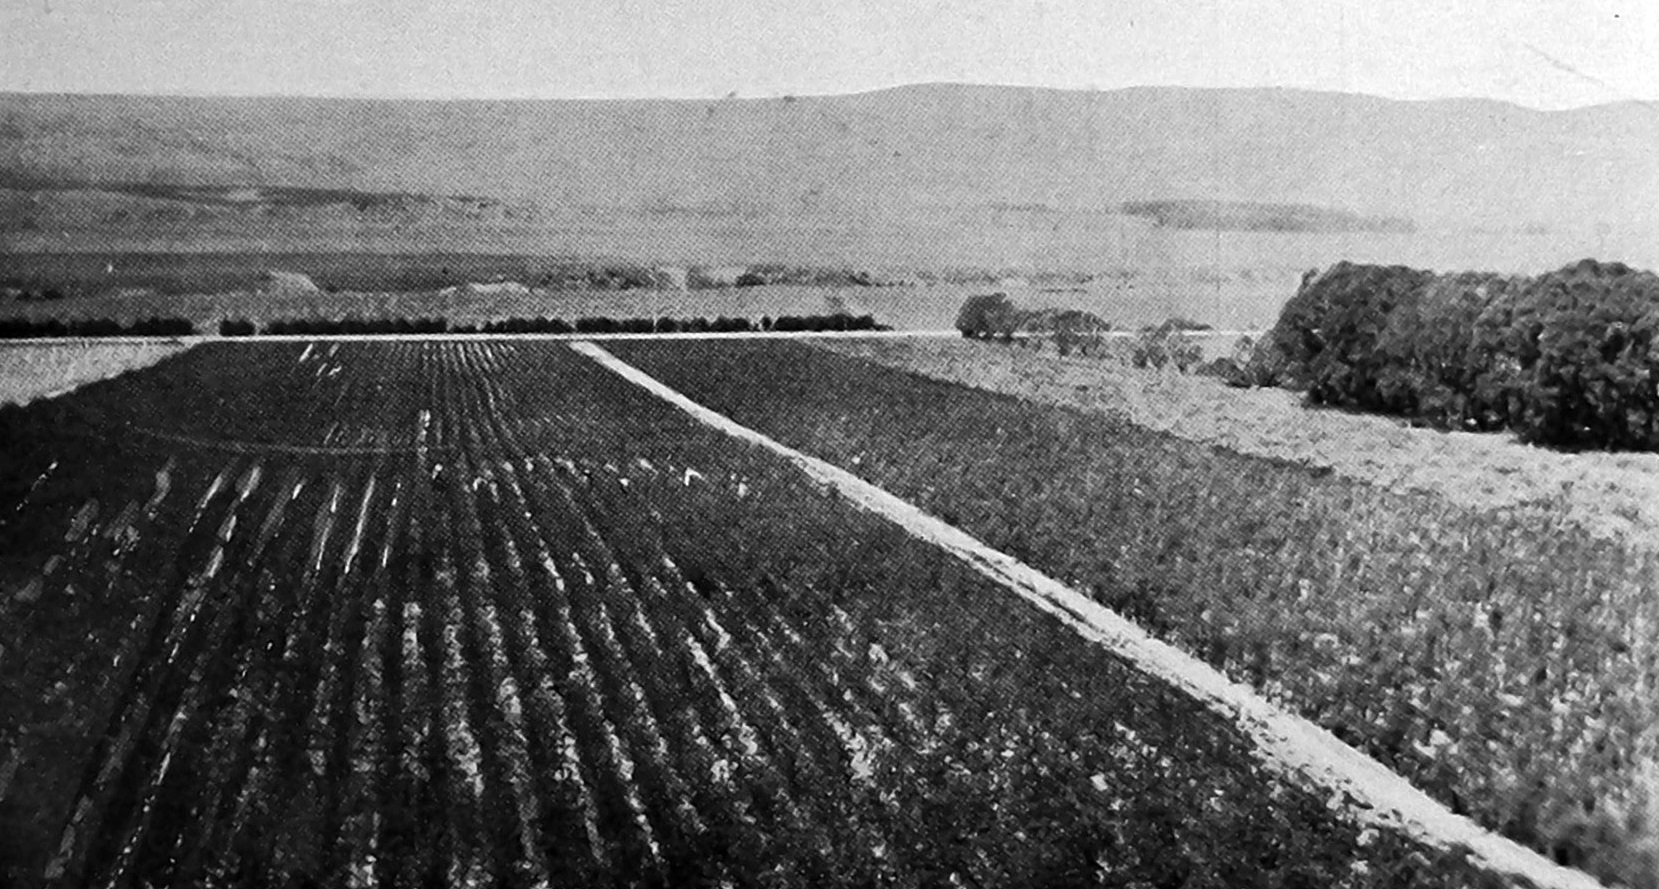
point(32, 370)
point(1504, 664)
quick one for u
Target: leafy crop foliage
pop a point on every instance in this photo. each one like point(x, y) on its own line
point(1565, 358)
point(15, 328)
point(583, 641)
point(1506, 665)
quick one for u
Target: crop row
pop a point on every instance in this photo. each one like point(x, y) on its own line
point(559, 634)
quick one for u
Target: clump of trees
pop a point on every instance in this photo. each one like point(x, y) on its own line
point(1567, 358)
point(994, 316)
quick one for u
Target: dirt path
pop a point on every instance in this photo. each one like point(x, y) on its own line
point(1611, 495)
point(29, 371)
point(1290, 745)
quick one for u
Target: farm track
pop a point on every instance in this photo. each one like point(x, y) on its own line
point(481, 614)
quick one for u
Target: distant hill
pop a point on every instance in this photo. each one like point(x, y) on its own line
point(910, 162)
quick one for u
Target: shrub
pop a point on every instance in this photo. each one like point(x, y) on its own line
point(1255, 362)
point(1593, 382)
point(1428, 349)
point(1164, 345)
point(1328, 331)
point(985, 315)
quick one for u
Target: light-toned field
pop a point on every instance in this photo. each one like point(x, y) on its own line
point(1613, 495)
point(42, 370)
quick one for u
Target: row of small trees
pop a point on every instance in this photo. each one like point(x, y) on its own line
point(357, 326)
point(1568, 358)
point(19, 328)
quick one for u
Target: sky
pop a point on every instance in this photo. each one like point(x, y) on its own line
point(1538, 53)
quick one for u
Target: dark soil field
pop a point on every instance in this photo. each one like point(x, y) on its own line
point(485, 614)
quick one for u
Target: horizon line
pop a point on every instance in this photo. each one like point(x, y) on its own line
point(796, 96)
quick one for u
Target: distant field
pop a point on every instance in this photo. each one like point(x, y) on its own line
point(174, 273)
point(207, 288)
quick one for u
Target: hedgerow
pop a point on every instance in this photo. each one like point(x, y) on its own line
point(354, 326)
point(1565, 358)
point(593, 325)
point(19, 328)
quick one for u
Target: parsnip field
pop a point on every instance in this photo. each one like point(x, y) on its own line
point(403, 614)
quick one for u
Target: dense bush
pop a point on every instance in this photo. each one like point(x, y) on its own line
point(1329, 331)
point(1590, 370)
point(19, 328)
point(986, 315)
point(1566, 358)
point(1430, 364)
point(236, 327)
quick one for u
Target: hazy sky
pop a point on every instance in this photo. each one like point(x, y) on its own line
point(1542, 53)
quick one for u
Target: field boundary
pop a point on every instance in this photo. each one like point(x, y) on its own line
point(1361, 788)
point(554, 337)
